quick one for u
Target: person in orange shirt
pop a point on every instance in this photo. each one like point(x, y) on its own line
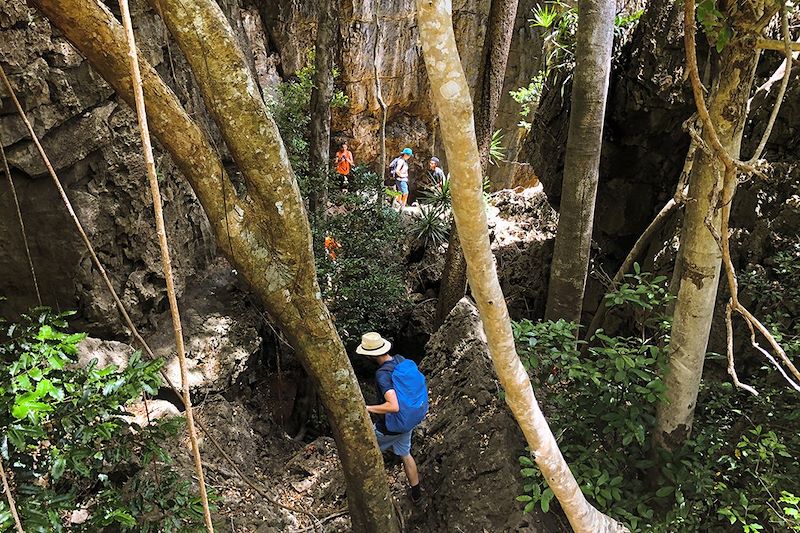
point(344, 162)
point(331, 245)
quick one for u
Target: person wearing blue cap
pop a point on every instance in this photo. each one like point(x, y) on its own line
point(398, 168)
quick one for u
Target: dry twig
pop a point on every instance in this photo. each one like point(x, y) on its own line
point(10, 498)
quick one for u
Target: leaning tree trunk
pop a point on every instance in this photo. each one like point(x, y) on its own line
point(321, 96)
point(265, 234)
point(700, 254)
point(502, 15)
point(454, 106)
point(581, 166)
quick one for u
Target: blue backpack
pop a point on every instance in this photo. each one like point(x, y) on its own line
point(412, 395)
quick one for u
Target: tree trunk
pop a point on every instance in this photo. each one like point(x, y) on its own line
point(321, 96)
point(379, 91)
point(453, 104)
point(502, 15)
point(700, 254)
point(454, 278)
point(496, 45)
point(265, 234)
point(581, 166)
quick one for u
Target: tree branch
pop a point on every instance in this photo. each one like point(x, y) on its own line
point(10, 498)
point(775, 44)
point(787, 50)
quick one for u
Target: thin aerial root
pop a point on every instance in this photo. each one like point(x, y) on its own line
point(731, 363)
point(138, 93)
point(21, 223)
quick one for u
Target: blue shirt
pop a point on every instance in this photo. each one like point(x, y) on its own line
point(383, 384)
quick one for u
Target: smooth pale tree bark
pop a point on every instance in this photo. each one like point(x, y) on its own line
point(700, 254)
point(570, 264)
point(496, 45)
point(454, 106)
point(265, 234)
point(321, 96)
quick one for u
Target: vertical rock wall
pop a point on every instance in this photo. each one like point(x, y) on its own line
point(92, 140)
point(404, 86)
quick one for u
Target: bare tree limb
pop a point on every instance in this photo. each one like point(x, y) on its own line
point(774, 44)
point(787, 73)
point(731, 362)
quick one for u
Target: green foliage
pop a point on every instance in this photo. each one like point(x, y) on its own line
point(713, 22)
point(292, 112)
point(497, 152)
point(733, 474)
point(437, 195)
point(66, 438)
point(364, 288)
point(432, 225)
point(528, 98)
point(624, 22)
point(558, 23)
point(646, 296)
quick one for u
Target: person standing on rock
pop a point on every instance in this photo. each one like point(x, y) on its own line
point(405, 393)
point(399, 169)
point(344, 162)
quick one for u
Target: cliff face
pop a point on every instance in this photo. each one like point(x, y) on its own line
point(92, 140)
point(404, 86)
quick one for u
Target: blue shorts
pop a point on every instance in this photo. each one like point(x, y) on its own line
point(402, 186)
point(399, 444)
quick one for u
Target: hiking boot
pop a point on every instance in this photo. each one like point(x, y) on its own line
point(416, 494)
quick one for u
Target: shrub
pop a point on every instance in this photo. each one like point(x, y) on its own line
point(735, 473)
point(292, 112)
point(364, 288)
point(70, 444)
point(432, 225)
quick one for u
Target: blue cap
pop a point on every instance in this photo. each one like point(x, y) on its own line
point(407, 151)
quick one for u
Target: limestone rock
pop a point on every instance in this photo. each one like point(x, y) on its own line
point(93, 143)
point(522, 228)
point(468, 446)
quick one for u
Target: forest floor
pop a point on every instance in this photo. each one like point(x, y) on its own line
point(303, 479)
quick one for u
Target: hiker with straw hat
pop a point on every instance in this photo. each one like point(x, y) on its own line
point(402, 386)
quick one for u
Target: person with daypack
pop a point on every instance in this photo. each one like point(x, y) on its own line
point(436, 172)
point(398, 171)
point(402, 387)
point(344, 162)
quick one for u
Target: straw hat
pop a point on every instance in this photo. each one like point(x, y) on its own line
point(373, 344)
